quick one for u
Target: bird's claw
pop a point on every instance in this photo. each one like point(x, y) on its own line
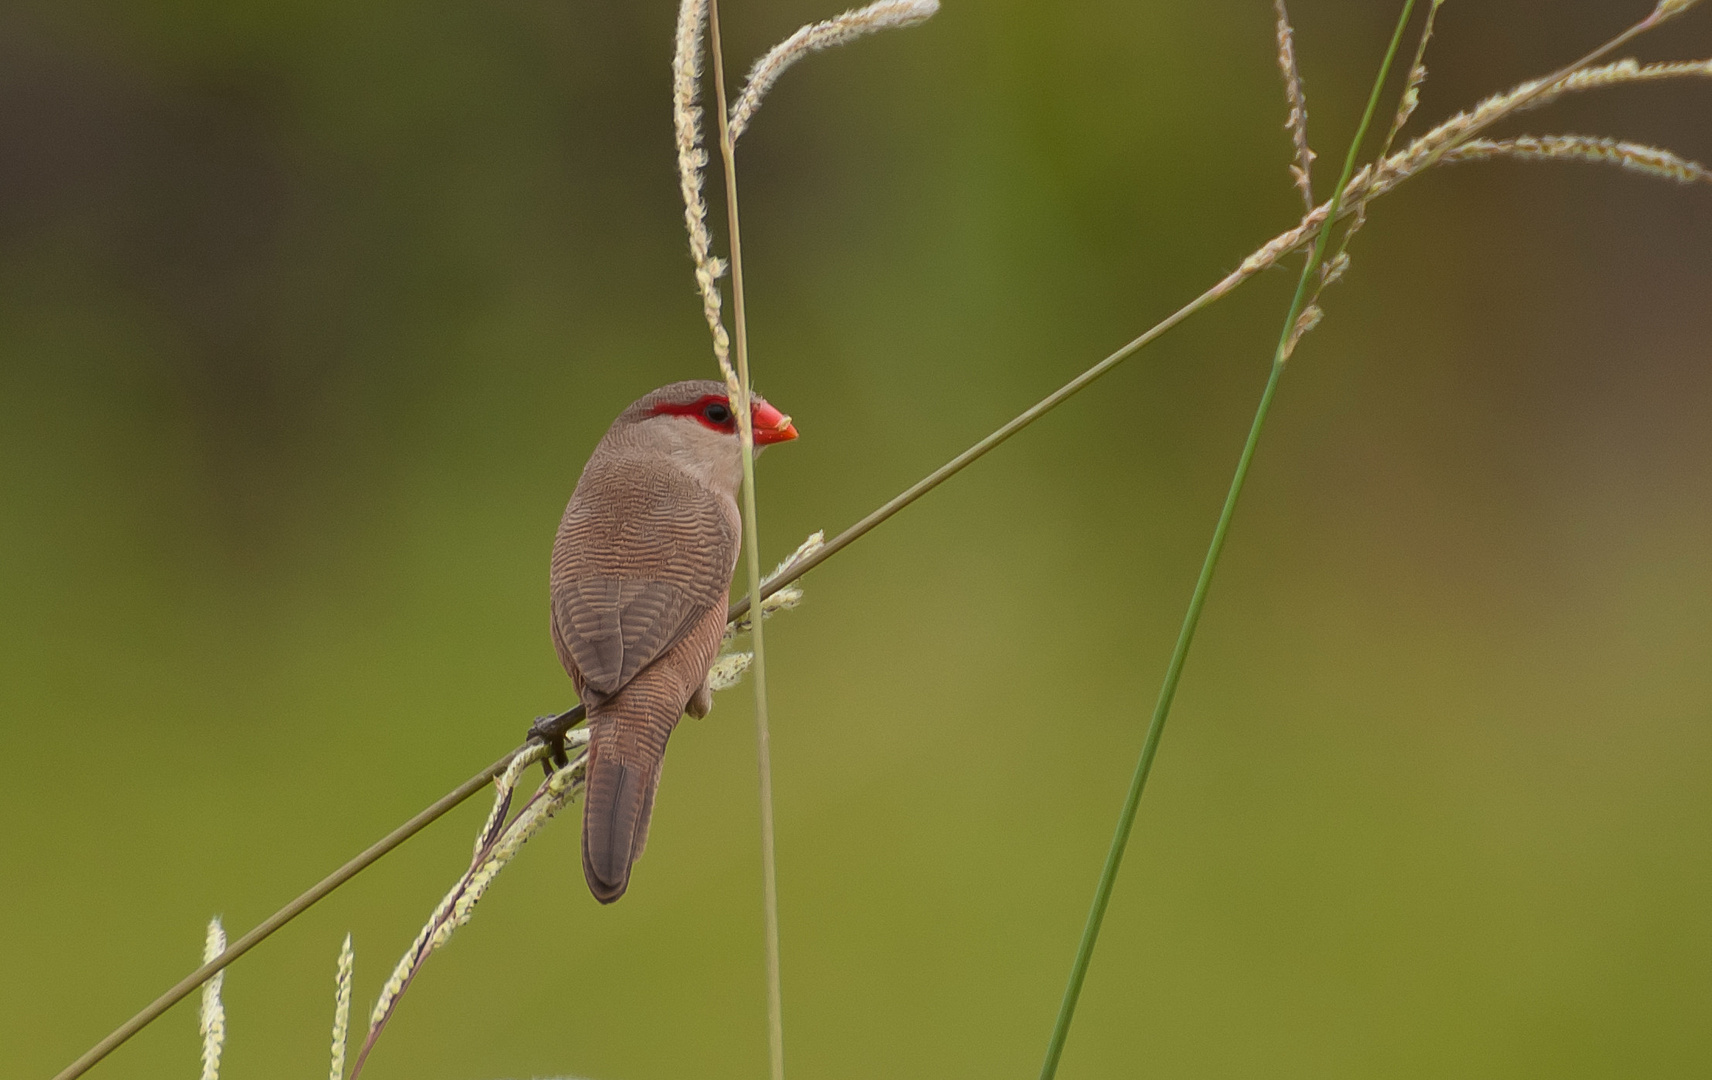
point(550, 731)
point(556, 757)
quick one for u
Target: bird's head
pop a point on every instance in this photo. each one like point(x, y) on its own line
point(695, 423)
point(708, 403)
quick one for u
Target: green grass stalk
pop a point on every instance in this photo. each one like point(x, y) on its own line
point(1192, 618)
point(752, 561)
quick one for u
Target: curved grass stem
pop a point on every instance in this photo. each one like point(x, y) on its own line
point(1192, 618)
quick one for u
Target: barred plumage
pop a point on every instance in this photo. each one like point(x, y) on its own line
point(640, 579)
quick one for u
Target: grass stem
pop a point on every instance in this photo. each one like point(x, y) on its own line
point(1192, 618)
point(752, 553)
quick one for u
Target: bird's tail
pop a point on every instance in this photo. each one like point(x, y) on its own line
point(623, 774)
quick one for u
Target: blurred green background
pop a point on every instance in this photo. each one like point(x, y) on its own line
point(311, 311)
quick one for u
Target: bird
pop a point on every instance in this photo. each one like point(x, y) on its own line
point(640, 586)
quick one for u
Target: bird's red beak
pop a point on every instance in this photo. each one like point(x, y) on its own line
point(771, 425)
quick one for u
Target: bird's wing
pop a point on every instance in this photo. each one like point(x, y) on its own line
point(634, 570)
point(613, 628)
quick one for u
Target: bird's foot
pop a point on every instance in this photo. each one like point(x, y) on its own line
point(550, 730)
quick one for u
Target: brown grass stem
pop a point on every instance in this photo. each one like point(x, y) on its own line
point(752, 560)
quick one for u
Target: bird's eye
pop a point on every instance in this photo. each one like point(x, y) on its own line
point(717, 413)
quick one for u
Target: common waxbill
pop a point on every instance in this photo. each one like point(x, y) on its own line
point(640, 581)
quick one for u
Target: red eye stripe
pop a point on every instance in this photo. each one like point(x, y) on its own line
point(697, 410)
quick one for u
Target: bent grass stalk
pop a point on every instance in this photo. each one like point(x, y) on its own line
point(497, 843)
point(1367, 184)
point(841, 30)
point(1180, 653)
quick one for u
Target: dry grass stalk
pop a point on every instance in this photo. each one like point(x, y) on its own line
point(728, 668)
point(1333, 268)
point(1461, 128)
point(212, 1020)
point(687, 125)
point(791, 594)
point(1372, 181)
point(1411, 99)
point(692, 160)
point(1297, 123)
point(504, 786)
point(495, 849)
point(1636, 157)
point(1305, 322)
point(1578, 77)
point(1632, 71)
point(554, 794)
point(845, 28)
point(1445, 139)
point(741, 389)
point(342, 1009)
point(693, 14)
